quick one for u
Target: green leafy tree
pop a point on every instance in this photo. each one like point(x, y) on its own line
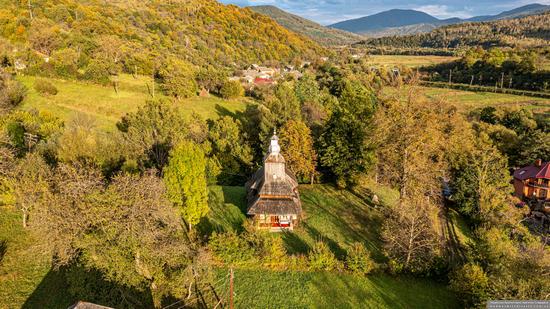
point(177, 78)
point(231, 149)
point(343, 146)
point(151, 131)
point(471, 283)
point(307, 89)
point(185, 179)
point(480, 181)
point(231, 89)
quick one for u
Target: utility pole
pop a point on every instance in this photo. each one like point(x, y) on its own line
point(30, 9)
point(231, 289)
point(450, 76)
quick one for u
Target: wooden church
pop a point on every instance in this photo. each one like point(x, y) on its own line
point(272, 193)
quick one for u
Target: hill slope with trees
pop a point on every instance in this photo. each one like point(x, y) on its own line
point(94, 37)
point(317, 32)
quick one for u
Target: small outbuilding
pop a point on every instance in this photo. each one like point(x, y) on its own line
point(272, 193)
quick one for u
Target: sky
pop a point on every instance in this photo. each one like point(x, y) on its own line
point(330, 11)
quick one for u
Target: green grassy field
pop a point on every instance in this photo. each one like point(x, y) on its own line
point(410, 61)
point(107, 106)
point(24, 266)
point(467, 100)
point(267, 289)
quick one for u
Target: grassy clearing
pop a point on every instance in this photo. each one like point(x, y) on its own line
point(25, 277)
point(107, 107)
point(409, 61)
point(268, 289)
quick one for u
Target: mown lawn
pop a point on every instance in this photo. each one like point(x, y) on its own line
point(107, 106)
point(25, 277)
point(269, 289)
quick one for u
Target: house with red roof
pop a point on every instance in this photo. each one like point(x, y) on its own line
point(533, 181)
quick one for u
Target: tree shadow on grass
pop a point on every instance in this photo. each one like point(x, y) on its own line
point(65, 286)
point(3, 249)
point(222, 111)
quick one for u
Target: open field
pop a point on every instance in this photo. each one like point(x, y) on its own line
point(107, 107)
point(268, 289)
point(409, 61)
point(467, 100)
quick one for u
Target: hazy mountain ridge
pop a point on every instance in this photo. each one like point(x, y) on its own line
point(402, 22)
point(321, 34)
point(527, 31)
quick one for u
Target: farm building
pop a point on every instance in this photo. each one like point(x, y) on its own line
point(533, 181)
point(272, 193)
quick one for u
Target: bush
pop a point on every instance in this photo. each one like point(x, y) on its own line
point(471, 283)
point(321, 258)
point(44, 87)
point(359, 260)
point(230, 248)
point(12, 92)
point(232, 89)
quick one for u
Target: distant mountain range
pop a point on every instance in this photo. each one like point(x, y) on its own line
point(320, 34)
point(401, 22)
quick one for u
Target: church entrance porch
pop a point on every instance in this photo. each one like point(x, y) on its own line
point(276, 222)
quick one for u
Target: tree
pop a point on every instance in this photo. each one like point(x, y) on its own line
point(343, 146)
point(177, 78)
point(230, 148)
point(480, 181)
point(127, 230)
point(410, 240)
point(231, 89)
point(185, 179)
point(307, 89)
point(30, 184)
point(410, 139)
point(210, 79)
point(297, 148)
point(151, 132)
point(471, 283)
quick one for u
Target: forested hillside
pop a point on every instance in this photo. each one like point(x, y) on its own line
point(69, 37)
point(521, 32)
point(317, 32)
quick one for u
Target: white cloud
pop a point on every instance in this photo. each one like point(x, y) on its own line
point(443, 11)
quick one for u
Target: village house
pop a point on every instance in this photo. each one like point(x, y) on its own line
point(272, 193)
point(533, 181)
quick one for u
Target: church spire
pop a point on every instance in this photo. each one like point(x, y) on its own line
point(274, 147)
